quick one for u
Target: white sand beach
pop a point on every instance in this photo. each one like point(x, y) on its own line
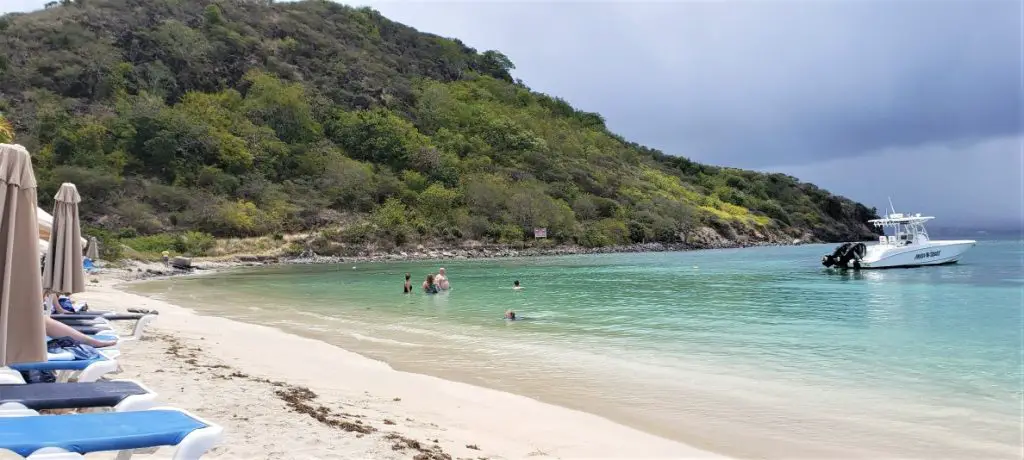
point(279, 395)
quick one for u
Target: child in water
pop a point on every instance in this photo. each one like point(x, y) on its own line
point(429, 286)
point(407, 289)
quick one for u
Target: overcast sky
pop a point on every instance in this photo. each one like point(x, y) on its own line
point(915, 99)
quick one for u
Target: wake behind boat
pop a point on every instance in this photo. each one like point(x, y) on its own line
point(908, 246)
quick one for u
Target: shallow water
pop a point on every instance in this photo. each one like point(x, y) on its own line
point(753, 352)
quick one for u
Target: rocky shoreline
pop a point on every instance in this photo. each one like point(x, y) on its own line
point(490, 252)
point(133, 270)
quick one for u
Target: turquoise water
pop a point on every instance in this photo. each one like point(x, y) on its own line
point(751, 352)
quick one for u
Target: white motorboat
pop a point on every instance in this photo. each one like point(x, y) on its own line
point(908, 245)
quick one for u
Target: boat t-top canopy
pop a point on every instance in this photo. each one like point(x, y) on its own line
point(897, 219)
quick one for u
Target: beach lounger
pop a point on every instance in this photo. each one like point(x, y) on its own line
point(87, 324)
point(91, 330)
point(119, 395)
point(66, 366)
point(8, 376)
point(77, 322)
point(110, 352)
point(110, 317)
point(83, 370)
point(71, 436)
point(141, 311)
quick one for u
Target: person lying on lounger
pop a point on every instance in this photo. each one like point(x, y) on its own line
point(62, 304)
point(57, 329)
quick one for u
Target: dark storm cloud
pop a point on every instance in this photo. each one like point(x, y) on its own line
point(758, 83)
point(972, 184)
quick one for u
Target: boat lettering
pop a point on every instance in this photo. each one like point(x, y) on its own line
point(929, 254)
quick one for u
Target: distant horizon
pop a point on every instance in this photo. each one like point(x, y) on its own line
point(1004, 228)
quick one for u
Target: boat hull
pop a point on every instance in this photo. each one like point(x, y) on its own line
point(934, 253)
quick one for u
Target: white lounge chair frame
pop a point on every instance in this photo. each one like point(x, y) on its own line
point(137, 331)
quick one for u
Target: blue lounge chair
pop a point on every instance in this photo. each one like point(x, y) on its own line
point(89, 266)
point(119, 395)
point(84, 370)
point(74, 435)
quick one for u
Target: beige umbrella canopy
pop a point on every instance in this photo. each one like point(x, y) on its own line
point(62, 270)
point(92, 251)
point(22, 336)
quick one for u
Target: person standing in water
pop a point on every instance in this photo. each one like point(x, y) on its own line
point(407, 289)
point(442, 280)
point(429, 285)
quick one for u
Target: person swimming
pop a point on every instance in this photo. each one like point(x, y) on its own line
point(407, 288)
point(516, 286)
point(510, 315)
point(429, 286)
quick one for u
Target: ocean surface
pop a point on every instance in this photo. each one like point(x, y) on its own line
point(753, 353)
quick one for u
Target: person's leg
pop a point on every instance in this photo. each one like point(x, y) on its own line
point(57, 329)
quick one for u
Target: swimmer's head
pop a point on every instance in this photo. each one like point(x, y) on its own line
point(516, 283)
point(441, 270)
point(407, 276)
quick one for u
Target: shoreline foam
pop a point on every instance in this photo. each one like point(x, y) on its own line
point(279, 394)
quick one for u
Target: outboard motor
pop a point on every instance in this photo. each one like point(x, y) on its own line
point(833, 259)
point(847, 255)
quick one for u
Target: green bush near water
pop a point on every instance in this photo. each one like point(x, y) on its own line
point(190, 243)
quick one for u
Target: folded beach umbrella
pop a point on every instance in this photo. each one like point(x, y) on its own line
point(46, 225)
point(21, 297)
point(92, 251)
point(62, 269)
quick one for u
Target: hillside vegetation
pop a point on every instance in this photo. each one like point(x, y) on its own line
point(240, 118)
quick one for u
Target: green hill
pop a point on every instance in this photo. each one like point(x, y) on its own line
point(242, 118)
